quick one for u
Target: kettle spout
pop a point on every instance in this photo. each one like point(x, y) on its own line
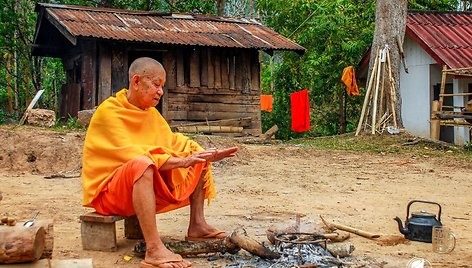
point(402, 229)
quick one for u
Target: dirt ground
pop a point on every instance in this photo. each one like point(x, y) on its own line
point(264, 185)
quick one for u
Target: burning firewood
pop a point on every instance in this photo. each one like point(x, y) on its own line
point(231, 244)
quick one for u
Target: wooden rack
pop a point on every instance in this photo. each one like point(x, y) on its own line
point(443, 115)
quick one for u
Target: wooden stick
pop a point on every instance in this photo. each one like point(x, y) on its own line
point(402, 53)
point(350, 229)
point(367, 94)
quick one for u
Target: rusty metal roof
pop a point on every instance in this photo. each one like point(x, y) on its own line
point(445, 36)
point(164, 28)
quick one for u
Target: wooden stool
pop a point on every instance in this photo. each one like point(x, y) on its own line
point(98, 232)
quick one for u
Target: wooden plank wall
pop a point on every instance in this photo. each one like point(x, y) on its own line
point(88, 75)
point(119, 68)
point(221, 84)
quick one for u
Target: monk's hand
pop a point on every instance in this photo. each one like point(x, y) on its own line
point(219, 154)
point(197, 158)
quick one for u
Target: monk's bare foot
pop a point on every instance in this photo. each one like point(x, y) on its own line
point(205, 231)
point(159, 256)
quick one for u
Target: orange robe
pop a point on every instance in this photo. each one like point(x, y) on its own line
point(349, 79)
point(119, 132)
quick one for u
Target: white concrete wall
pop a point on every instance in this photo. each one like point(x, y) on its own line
point(416, 90)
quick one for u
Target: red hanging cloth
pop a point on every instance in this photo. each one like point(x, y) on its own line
point(300, 111)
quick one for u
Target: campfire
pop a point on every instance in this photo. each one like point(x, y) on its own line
point(288, 248)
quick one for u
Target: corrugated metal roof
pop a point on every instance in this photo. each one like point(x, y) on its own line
point(445, 36)
point(166, 28)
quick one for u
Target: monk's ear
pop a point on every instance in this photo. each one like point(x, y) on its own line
point(134, 80)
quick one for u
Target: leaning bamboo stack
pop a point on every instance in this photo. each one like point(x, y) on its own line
point(378, 110)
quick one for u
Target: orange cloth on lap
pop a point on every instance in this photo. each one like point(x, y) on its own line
point(117, 196)
point(120, 132)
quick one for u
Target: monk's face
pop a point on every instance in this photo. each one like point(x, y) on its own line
point(149, 88)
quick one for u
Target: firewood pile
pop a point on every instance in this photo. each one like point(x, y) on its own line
point(378, 111)
point(287, 247)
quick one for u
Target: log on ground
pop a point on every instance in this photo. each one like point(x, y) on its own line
point(21, 244)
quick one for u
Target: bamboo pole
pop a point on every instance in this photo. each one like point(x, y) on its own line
point(392, 90)
point(376, 93)
point(367, 94)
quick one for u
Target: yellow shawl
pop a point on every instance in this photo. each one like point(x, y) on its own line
point(119, 132)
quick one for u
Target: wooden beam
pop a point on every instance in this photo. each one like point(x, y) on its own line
point(62, 29)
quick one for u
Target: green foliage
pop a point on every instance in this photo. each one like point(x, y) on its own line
point(432, 4)
point(71, 124)
point(336, 34)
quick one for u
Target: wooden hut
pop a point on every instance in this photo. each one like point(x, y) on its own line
point(212, 63)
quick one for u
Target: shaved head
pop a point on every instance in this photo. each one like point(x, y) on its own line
point(144, 66)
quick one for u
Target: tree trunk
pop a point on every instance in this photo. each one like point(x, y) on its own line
point(390, 22)
point(9, 91)
point(220, 4)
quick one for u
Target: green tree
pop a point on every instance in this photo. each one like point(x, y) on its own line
point(336, 34)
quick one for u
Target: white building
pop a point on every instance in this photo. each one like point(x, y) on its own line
point(435, 39)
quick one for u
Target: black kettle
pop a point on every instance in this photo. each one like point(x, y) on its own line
point(419, 226)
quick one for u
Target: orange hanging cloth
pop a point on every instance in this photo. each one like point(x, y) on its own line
point(349, 79)
point(266, 103)
point(300, 111)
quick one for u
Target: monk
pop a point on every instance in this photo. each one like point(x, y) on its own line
point(133, 164)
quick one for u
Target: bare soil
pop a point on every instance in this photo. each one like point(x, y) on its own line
point(264, 185)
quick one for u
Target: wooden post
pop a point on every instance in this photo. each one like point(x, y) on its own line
point(443, 87)
point(132, 228)
point(255, 71)
point(435, 123)
point(232, 72)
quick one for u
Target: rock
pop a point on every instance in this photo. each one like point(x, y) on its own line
point(41, 118)
point(84, 117)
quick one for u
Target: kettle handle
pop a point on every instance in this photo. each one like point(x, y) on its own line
point(421, 201)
